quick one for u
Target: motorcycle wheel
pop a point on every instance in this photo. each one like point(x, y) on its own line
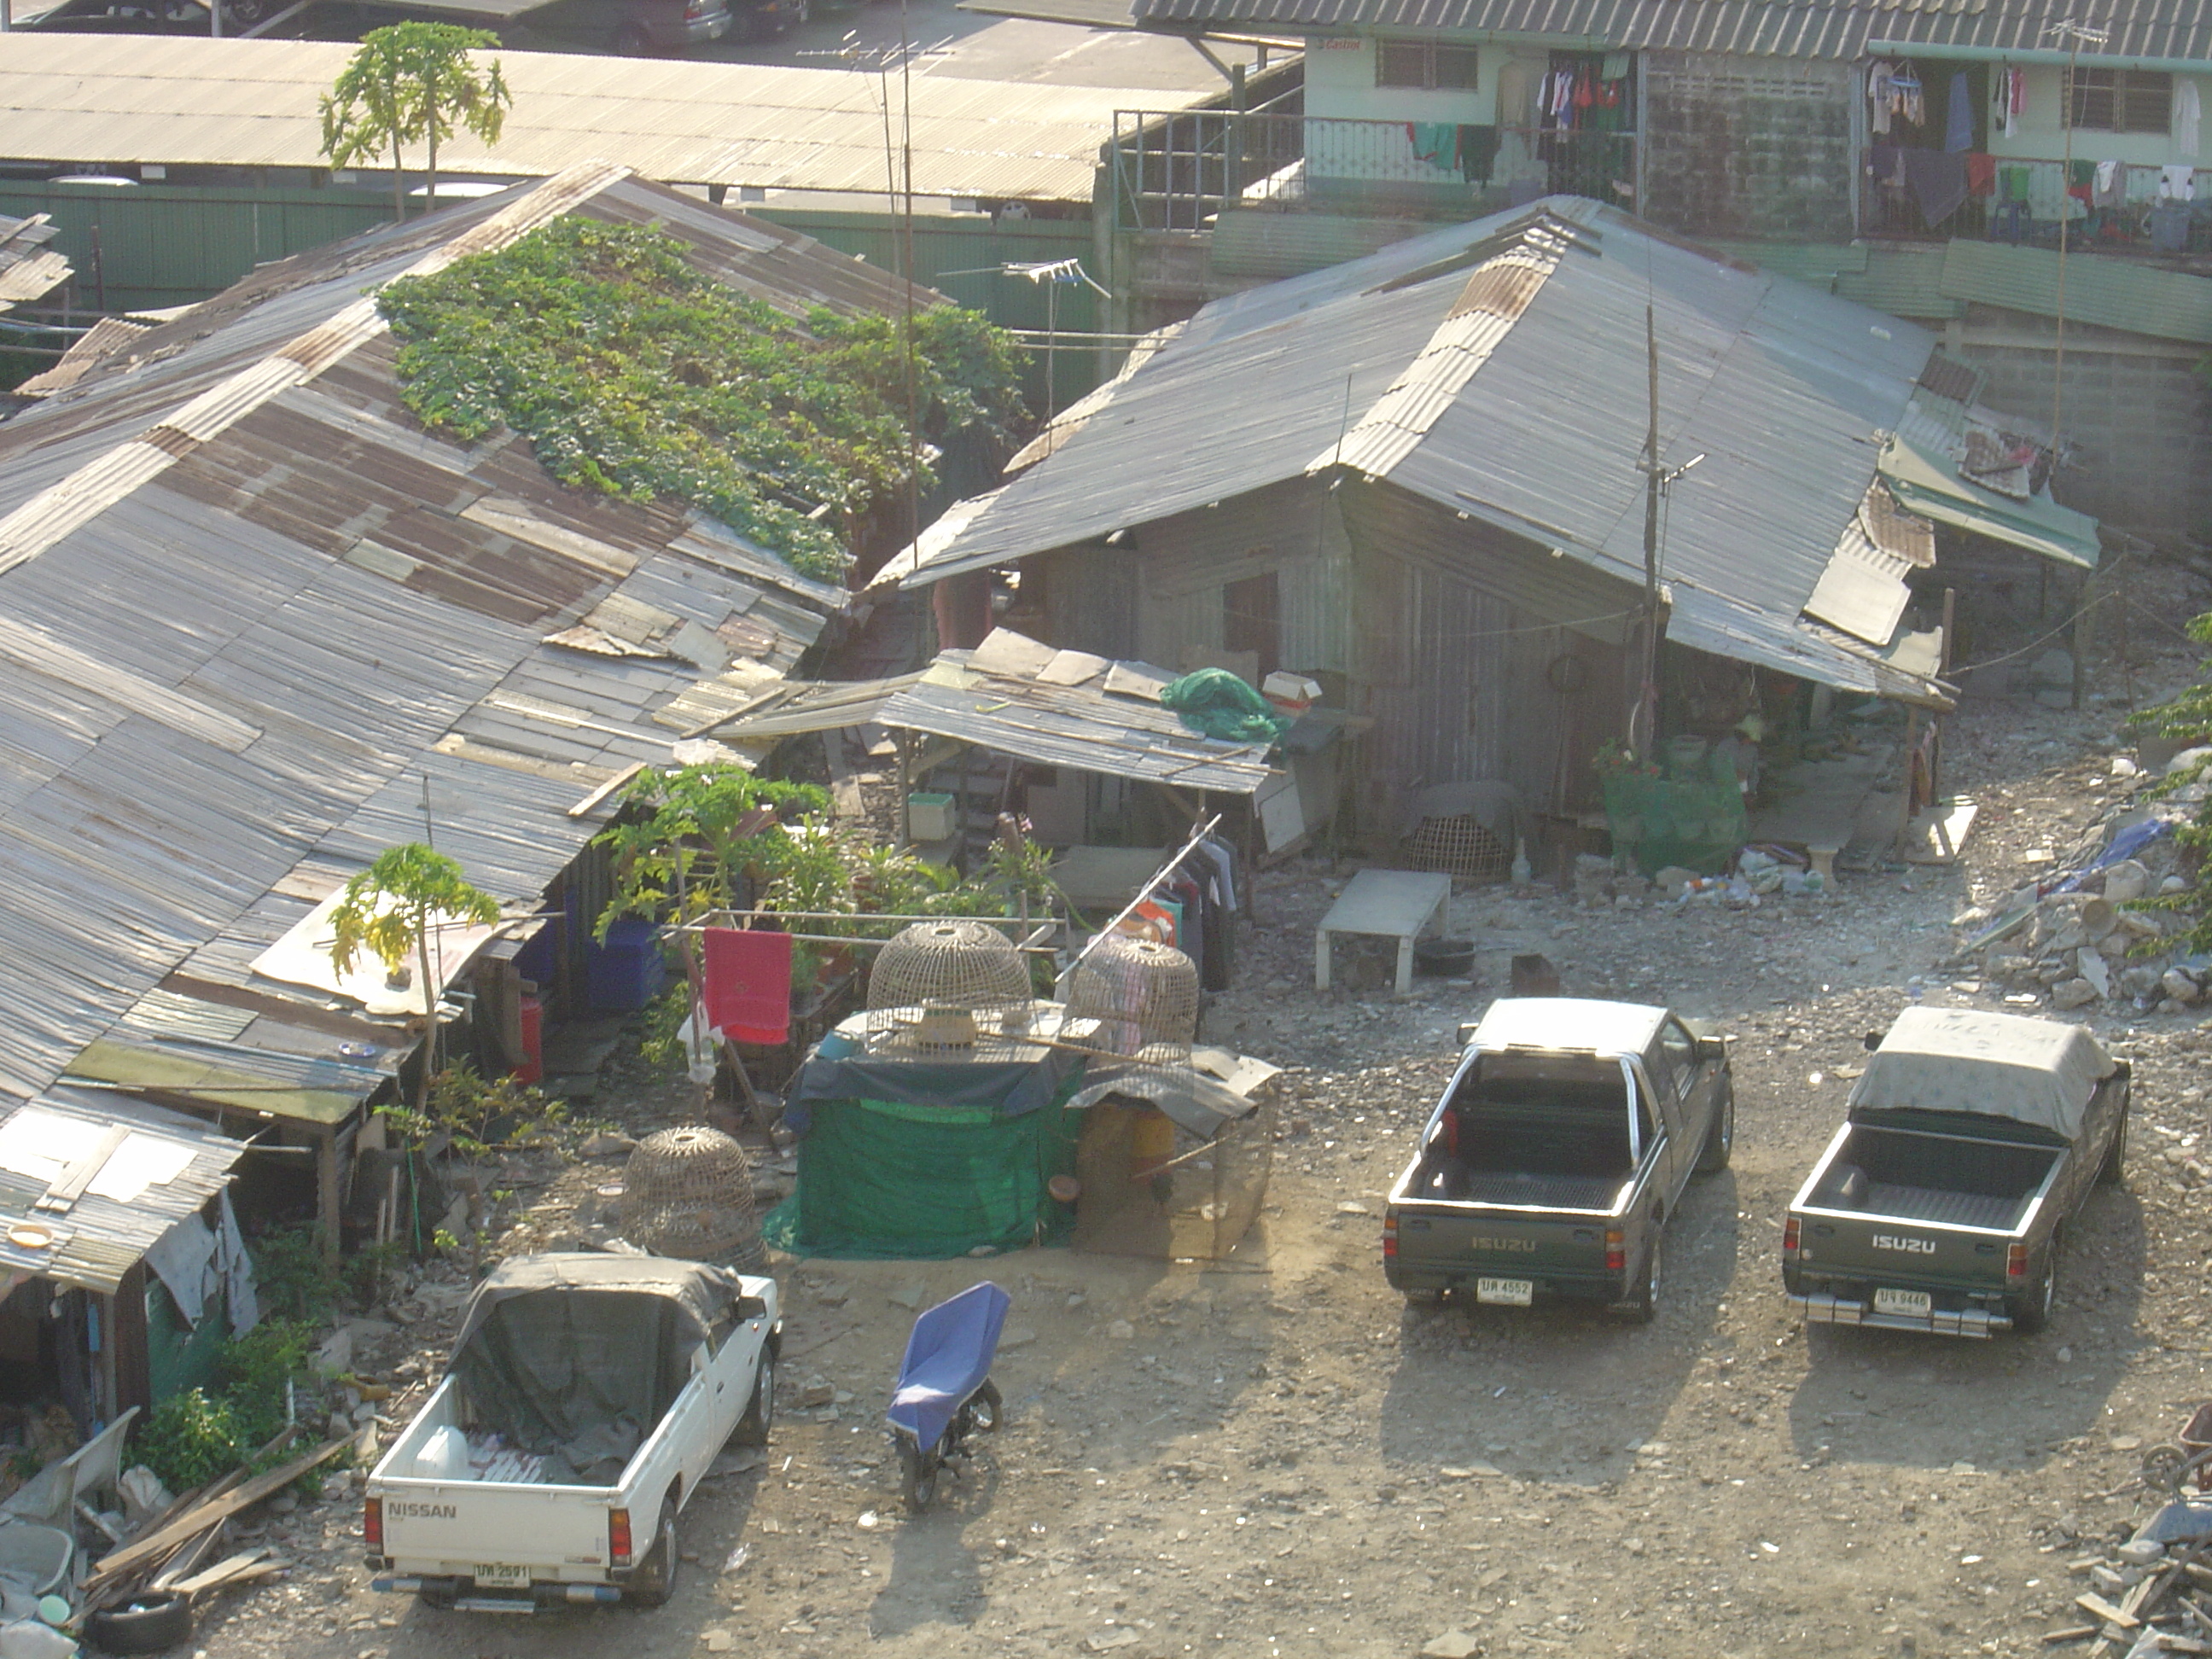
point(917, 1476)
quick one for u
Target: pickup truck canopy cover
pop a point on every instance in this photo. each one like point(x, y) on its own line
point(579, 1355)
point(1960, 1060)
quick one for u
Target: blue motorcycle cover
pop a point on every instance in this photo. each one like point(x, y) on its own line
point(947, 1359)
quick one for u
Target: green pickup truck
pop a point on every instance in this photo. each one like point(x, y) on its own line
point(1558, 1154)
point(1941, 1204)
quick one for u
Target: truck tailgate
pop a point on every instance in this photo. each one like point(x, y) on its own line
point(1473, 1239)
point(1901, 1251)
point(452, 1523)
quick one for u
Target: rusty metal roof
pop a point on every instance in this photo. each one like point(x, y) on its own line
point(254, 103)
point(1499, 369)
point(2177, 30)
point(249, 609)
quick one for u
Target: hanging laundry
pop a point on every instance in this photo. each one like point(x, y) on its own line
point(1433, 142)
point(2013, 183)
point(1981, 173)
point(2111, 189)
point(1881, 96)
point(1615, 67)
point(2187, 112)
point(2169, 226)
point(2081, 181)
point(1958, 120)
point(1888, 164)
point(1477, 153)
point(1939, 183)
point(1905, 95)
point(2176, 183)
point(747, 988)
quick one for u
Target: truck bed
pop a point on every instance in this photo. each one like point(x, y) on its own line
point(1935, 1180)
point(1451, 1181)
point(1943, 1209)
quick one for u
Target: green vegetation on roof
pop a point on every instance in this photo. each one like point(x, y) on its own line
point(633, 373)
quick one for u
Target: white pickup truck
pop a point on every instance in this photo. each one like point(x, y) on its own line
point(586, 1397)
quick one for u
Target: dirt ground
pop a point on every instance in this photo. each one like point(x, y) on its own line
point(1274, 1456)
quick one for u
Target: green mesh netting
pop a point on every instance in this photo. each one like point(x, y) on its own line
point(1216, 703)
point(880, 1179)
point(1693, 818)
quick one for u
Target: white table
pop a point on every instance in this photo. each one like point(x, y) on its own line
point(1400, 904)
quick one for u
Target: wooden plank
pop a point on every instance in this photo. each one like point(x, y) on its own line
point(605, 789)
point(62, 1195)
point(2104, 1613)
point(116, 1562)
point(231, 1567)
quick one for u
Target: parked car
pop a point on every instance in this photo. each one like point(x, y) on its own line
point(1558, 1153)
point(635, 29)
point(586, 1397)
point(1941, 1204)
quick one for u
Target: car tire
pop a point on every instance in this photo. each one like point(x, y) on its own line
point(631, 40)
point(146, 1623)
point(437, 1600)
point(2115, 1166)
point(1642, 1306)
point(754, 1426)
point(917, 1483)
point(1720, 1139)
point(653, 1579)
point(2031, 1310)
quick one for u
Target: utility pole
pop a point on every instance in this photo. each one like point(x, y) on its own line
point(1645, 716)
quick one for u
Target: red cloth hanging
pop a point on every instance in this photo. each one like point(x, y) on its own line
point(1981, 173)
point(747, 984)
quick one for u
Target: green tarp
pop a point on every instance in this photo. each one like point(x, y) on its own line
point(1931, 486)
point(880, 1178)
point(1693, 818)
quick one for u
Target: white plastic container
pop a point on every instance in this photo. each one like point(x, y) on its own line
point(32, 1640)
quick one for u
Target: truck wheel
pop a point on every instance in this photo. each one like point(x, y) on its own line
point(2031, 1310)
point(753, 1427)
point(917, 1476)
point(2115, 1157)
point(437, 1600)
point(632, 41)
point(1642, 1304)
point(653, 1580)
point(1720, 1139)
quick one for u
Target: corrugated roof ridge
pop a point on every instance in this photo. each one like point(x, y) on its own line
point(64, 507)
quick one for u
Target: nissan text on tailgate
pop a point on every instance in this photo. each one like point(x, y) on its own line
point(1942, 1203)
point(1558, 1154)
point(587, 1398)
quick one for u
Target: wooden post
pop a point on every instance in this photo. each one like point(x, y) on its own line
point(327, 1202)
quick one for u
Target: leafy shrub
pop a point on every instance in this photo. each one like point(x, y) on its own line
point(190, 1439)
point(633, 373)
point(293, 1275)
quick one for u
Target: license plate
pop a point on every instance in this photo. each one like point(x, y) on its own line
point(1918, 1304)
point(1508, 1292)
point(497, 1574)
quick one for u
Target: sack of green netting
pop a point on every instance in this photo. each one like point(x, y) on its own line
point(1216, 703)
point(880, 1178)
point(1695, 824)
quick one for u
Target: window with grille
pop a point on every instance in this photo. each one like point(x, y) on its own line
point(1424, 64)
point(2122, 100)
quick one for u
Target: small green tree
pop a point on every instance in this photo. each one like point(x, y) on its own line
point(391, 909)
point(410, 84)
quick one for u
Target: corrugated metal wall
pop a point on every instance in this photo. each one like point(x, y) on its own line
point(170, 244)
point(1090, 598)
point(1459, 627)
point(1292, 529)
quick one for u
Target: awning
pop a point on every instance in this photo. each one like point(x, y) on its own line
point(1929, 484)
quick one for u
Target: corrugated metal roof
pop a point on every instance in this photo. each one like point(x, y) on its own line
point(100, 1238)
point(254, 103)
point(2170, 305)
point(1023, 699)
point(2178, 29)
point(29, 269)
point(1783, 395)
point(243, 656)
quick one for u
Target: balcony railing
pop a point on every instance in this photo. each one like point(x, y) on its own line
point(1177, 171)
point(2024, 199)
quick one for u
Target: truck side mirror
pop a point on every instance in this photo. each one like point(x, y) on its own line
point(1712, 1048)
point(750, 1307)
point(1873, 1041)
point(1467, 1028)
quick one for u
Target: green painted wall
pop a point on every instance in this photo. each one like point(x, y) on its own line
point(151, 246)
point(180, 1356)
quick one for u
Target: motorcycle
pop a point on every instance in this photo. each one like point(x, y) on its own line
point(944, 1392)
